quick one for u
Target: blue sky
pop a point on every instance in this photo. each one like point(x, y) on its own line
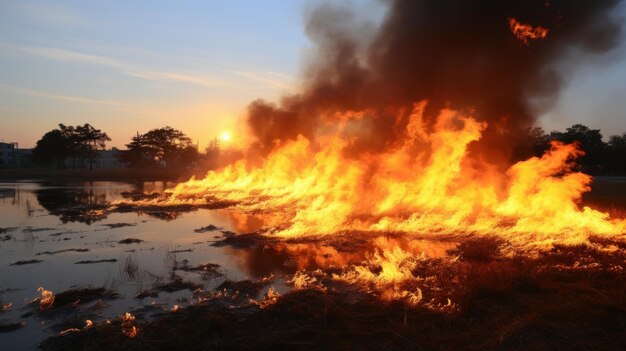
point(128, 66)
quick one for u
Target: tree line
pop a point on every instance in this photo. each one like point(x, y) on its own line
point(158, 148)
point(600, 156)
point(73, 142)
point(172, 149)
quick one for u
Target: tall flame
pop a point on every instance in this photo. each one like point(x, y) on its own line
point(430, 184)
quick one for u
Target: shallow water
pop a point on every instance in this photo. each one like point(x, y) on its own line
point(38, 213)
point(41, 218)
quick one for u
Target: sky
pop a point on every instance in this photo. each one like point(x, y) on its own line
point(131, 66)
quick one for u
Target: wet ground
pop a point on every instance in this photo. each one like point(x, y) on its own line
point(53, 236)
point(59, 236)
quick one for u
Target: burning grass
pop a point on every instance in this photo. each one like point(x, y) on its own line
point(49, 301)
point(571, 297)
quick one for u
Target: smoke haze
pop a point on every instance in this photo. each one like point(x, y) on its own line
point(456, 54)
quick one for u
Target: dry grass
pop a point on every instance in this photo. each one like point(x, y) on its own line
point(571, 298)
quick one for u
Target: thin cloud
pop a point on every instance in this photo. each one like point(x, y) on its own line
point(65, 55)
point(275, 79)
point(53, 14)
point(168, 76)
point(43, 94)
point(125, 68)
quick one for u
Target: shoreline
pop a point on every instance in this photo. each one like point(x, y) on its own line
point(119, 174)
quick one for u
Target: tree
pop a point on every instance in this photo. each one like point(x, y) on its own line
point(52, 147)
point(89, 141)
point(589, 140)
point(615, 158)
point(69, 133)
point(77, 142)
point(163, 146)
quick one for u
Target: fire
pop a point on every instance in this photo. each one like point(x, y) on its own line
point(526, 32)
point(128, 325)
point(46, 300)
point(428, 185)
point(302, 280)
point(88, 325)
point(270, 298)
point(395, 266)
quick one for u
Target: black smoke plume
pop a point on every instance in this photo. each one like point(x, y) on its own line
point(454, 53)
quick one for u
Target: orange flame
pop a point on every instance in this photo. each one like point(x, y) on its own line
point(46, 300)
point(128, 325)
point(526, 32)
point(427, 185)
point(270, 298)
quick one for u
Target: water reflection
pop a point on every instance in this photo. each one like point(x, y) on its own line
point(83, 202)
point(279, 258)
point(85, 205)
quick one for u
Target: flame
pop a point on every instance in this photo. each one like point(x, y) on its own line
point(270, 298)
point(428, 185)
point(46, 300)
point(526, 32)
point(395, 267)
point(68, 331)
point(88, 325)
point(302, 280)
point(128, 325)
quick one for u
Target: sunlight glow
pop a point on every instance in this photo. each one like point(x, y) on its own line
point(225, 136)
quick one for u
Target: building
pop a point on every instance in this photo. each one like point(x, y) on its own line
point(13, 157)
point(25, 158)
point(8, 155)
point(104, 159)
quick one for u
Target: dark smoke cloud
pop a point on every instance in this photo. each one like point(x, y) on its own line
point(455, 53)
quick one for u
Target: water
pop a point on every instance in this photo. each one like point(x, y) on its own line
point(39, 214)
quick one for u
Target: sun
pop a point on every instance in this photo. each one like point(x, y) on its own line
point(225, 136)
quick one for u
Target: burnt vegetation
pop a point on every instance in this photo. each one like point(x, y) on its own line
point(568, 298)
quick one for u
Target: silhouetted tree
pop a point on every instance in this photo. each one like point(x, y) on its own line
point(69, 133)
point(615, 158)
point(589, 141)
point(52, 147)
point(89, 141)
point(167, 146)
point(75, 142)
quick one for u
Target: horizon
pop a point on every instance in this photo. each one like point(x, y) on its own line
point(66, 63)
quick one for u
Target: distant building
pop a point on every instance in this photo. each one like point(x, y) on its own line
point(8, 155)
point(105, 159)
point(13, 157)
point(25, 158)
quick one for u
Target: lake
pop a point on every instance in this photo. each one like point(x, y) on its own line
point(37, 225)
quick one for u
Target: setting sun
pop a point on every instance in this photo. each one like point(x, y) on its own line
point(225, 136)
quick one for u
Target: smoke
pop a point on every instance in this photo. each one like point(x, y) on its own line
point(457, 54)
